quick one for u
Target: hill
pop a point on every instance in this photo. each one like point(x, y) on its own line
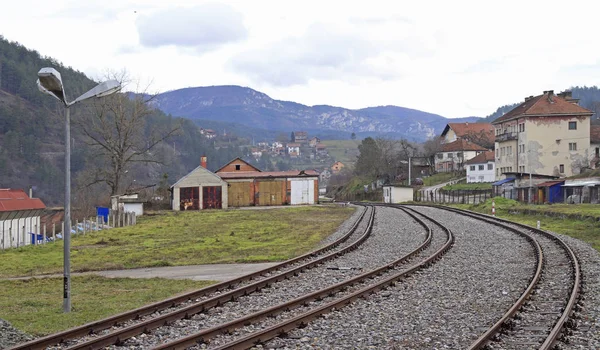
point(251, 108)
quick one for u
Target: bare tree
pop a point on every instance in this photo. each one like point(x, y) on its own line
point(116, 128)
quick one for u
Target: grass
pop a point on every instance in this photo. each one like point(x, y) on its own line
point(439, 178)
point(345, 151)
point(470, 186)
point(587, 230)
point(185, 238)
point(35, 305)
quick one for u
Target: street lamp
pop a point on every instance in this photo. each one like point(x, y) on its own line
point(50, 82)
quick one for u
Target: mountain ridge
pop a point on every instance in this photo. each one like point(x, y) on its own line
point(252, 108)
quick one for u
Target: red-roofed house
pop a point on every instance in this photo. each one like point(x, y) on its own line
point(453, 155)
point(545, 135)
point(479, 133)
point(481, 168)
point(19, 217)
point(595, 146)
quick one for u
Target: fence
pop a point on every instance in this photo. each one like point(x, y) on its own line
point(25, 231)
point(373, 195)
point(454, 196)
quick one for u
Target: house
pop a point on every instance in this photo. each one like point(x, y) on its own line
point(19, 218)
point(505, 188)
point(249, 186)
point(479, 133)
point(293, 149)
point(397, 194)
point(299, 137)
point(550, 192)
point(128, 203)
point(525, 184)
point(256, 152)
point(452, 156)
point(321, 150)
point(199, 189)
point(324, 175)
point(548, 134)
point(337, 167)
point(481, 168)
point(313, 142)
point(208, 133)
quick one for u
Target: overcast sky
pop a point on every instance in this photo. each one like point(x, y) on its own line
point(453, 58)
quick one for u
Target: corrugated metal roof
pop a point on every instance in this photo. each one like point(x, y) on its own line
point(549, 183)
point(263, 174)
point(500, 182)
point(14, 200)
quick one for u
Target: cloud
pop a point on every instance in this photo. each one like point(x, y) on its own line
point(328, 52)
point(204, 27)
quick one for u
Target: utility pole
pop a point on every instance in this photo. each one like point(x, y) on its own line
point(409, 166)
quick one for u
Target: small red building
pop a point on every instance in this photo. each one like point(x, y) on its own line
point(19, 218)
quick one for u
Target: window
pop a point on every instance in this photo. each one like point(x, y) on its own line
point(449, 155)
point(497, 153)
point(572, 146)
point(522, 127)
point(597, 152)
point(238, 167)
point(509, 151)
point(481, 167)
point(562, 169)
point(497, 171)
point(572, 125)
point(472, 168)
point(490, 166)
point(481, 178)
point(440, 155)
point(459, 154)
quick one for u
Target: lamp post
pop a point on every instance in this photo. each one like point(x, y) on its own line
point(50, 82)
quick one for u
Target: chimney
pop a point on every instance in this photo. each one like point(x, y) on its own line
point(550, 94)
point(203, 161)
point(30, 191)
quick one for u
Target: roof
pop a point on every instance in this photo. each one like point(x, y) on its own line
point(461, 145)
point(200, 167)
point(240, 159)
point(487, 156)
point(498, 183)
point(464, 130)
point(546, 105)
point(550, 183)
point(293, 144)
point(13, 200)
point(594, 133)
point(269, 174)
point(300, 133)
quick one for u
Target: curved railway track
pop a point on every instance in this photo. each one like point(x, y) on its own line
point(320, 302)
point(199, 300)
point(542, 314)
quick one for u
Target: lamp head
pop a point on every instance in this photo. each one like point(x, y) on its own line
point(50, 82)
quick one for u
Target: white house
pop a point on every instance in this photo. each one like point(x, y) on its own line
point(19, 218)
point(397, 194)
point(481, 168)
point(452, 156)
point(293, 149)
point(128, 203)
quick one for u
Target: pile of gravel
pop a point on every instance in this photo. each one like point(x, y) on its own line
point(10, 336)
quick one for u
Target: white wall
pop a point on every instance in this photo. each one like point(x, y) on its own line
point(11, 231)
point(485, 175)
point(303, 191)
point(137, 208)
point(392, 194)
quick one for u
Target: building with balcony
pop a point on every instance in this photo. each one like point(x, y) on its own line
point(547, 134)
point(452, 156)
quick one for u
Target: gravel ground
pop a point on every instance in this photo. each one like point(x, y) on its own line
point(394, 234)
point(444, 307)
point(10, 336)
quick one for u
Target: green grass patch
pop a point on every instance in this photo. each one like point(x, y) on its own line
point(35, 305)
point(470, 186)
point(345, 151)
point(185, 238)
point(440, 178)
point(587, 230)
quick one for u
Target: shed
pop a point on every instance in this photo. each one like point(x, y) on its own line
point(199, 189)
point(550, 192)
point(19, 218)
point(397, 194)
point(504, 188)
point(582, 190)
point(128, 203)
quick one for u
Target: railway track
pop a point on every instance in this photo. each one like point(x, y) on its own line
point(543, 313)
point(280, 319)
point(202, 299)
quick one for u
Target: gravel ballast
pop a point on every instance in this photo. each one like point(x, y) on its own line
point(10, 336)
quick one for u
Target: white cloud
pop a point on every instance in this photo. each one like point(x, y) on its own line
point(204, 27)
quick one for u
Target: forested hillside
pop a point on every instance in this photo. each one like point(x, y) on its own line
point(32, 136)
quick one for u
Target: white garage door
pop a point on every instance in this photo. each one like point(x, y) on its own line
point(303, 192)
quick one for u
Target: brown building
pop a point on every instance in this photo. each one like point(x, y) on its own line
point(249, 186)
